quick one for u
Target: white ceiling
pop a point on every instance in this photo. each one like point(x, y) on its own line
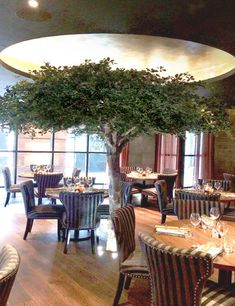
point(173, 18)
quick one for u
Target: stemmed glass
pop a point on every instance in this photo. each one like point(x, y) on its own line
point(214, 213)
point(195, 219)
point(90, 183)
point(34, 168)
point(222, 230)
point(69, 183)
point(148, 170)
point(217, 185)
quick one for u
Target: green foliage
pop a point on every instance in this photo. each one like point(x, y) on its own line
point(116, 103)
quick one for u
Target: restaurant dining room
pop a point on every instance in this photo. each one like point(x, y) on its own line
point(117, 144)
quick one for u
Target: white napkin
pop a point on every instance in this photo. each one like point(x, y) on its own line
point(171, 230)
point(210, 248)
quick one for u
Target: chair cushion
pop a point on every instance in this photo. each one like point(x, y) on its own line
point(135, 265)
point(150, 192)
point(46, 212)
point(214, 295)
point(15, 188)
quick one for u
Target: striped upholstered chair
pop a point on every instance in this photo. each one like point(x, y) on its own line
point(33, 211)
point(9, 187)
point(225, 184)
point(131, 263)
point(184, 208)
point(189, 195)
point(47, 180)
point(170, 182)
point(179, 276)
point(9, 264)
point(230, 177)
point(80, 213)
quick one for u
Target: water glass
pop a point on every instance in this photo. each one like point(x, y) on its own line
point(228, 244)
point(214, 213)
point(195, 219)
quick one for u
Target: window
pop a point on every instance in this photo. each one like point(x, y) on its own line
point(64, 150)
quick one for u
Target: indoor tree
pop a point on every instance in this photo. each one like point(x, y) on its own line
point(115, 103)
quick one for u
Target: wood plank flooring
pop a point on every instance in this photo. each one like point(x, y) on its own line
point(49, 277)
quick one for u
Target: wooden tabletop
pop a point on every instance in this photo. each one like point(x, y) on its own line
point(138, 176)
point(199, 236)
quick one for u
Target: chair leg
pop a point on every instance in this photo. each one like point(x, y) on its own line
point(127, 282)
point(59, 229)
point(39, 201)
point(27, 228)
point(163, 219)
point(93, 241)
point(67, 239)
point(119, 289)
point(7, 199)
point(31, 225)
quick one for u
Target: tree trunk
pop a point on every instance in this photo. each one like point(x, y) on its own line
point(114, 180)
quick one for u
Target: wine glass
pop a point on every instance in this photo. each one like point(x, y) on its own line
point(222, 228)
point(90, 183)
point(148, 170)
point(195, 219)
point(214, 213)
point(69, 183)
point(34, 168)
point(217, 185)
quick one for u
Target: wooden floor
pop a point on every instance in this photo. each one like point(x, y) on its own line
point(49, 277)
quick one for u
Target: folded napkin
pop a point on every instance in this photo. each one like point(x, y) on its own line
point(210, 248)
point(172, 230)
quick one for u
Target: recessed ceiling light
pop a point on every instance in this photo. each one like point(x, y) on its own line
point(33, 3)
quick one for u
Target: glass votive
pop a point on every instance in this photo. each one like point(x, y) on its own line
point(228, 244)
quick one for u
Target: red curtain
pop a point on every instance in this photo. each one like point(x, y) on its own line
point(167, 152)
point(124, 157)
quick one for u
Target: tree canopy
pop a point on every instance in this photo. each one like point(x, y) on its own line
point(117, 104)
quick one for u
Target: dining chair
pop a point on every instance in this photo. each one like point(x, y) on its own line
point(180, 276)
point(183, 208)
point(194, 195)
point(33, 211)
point(46, 180)
point(132, 263)
point(80, 214)
point(230, 177)
point(9, 187)
point(76, 172)
point(170, 182)
point(225, 184)
point(9, 265)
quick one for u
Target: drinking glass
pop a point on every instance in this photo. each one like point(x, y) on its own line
point(222, 228)
point(34, 168)
point(89, 183)
point(195, 219)
point(69, 182)
point(217, 185)
point(214, 213)
point(148, 170)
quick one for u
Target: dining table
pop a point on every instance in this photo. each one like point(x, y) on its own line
point(224, 262)
point(144, 177)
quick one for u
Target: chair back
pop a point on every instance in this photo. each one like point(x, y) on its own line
point(225, 184)
point(80, 209)
point(127, 169)
point(7, 178)
point(76, 172)
point(126, 193)
point(191, 195)
point(231, 178)
point(124, 228)
point(27, 190)
point(184, 208)
point(9, 264)
point(46, 180)
point(170, 181)
point(177, 275)
point(161, 189)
